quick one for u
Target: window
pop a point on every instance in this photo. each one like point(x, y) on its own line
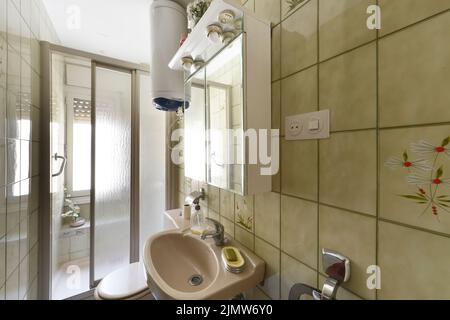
point(79, 146)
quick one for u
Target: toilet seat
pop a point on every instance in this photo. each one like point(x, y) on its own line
point(126, 283)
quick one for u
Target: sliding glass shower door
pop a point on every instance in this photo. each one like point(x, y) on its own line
point(111, 191)
point(90, 198)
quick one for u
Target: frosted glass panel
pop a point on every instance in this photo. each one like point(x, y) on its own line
point(112, 171)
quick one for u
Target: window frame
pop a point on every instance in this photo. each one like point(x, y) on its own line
point(83, 195)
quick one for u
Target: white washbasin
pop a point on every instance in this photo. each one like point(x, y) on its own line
point(173, 258)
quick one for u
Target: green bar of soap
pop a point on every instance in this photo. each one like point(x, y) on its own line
point(230, 255)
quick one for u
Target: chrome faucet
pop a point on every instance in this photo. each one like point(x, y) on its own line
point(337, 267)
point(194, 197)
point(217, 234)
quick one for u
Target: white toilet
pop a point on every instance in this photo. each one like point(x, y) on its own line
point(126, 283)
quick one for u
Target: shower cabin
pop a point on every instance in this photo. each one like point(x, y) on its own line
point(90, 187)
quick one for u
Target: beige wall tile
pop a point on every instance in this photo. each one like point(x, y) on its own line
point(213, 215)
point(24, 282)
point(299, 229)
point(3, 163)
point(276, 52)
point(348, 171)
point(299, 39)
point(268, 10)
point(276, 123)
point(244, 237)
point(3, 25)
point(299, 168)
point(181, 184)
point(12, 207)
point(354, 236)
point(293, 272)
point(34, 158)
point(35, 55)
point(3, 68)
point(228, 225)
point(33, 228)
point(2, 262)
point(213, 195)
point(348, 89)
point(33, 260)
point(25, 42)
point(271, 256)
point(180, 199)
point(255, 294)
point(276, 181)
point(35, 89)
point(35, 122)
point(393, 179)
point(12, 286)
point(12, 250)
point(413, 264)
point(13, 94)
point(14, 23)
point(34, 196)
point(2, 213)
point(276, 105)
point(298, 94)
point(413, 86)
point(343, 26)
point(267, 217)
point(244, 211)
point(401, 13)
point(249, 4)
point(227, 204)
point(12, 160)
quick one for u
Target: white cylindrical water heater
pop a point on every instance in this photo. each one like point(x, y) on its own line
point(167, 24)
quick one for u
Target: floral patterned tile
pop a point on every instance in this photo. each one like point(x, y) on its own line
point(244, 209)
point(289, 6)
point(415, 178)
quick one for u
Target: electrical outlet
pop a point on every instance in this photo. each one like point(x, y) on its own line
point(295, 127)
point(308, 126)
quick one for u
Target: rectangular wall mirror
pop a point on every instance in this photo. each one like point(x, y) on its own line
point(224, 96)
point(195, 129)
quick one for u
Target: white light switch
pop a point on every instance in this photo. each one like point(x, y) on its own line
point(316, 126)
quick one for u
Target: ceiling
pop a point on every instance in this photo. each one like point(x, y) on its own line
point(115, 28)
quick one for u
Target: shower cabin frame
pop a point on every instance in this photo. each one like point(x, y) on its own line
point(45, 217)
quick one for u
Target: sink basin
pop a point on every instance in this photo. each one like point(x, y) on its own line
point(182, 266)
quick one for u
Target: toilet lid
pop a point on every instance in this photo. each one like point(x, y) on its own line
point(123, 283)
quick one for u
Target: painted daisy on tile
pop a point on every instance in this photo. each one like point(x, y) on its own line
point(404, 162)
point(425, 148)
point(293, 4)
point(426, 181)
point(426, 175)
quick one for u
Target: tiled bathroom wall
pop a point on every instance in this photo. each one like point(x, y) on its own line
point(387, 91)
point(22, 24)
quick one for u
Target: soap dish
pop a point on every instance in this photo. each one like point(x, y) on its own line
point(233, 260)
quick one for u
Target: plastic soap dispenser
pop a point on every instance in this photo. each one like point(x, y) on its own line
point(197, 221)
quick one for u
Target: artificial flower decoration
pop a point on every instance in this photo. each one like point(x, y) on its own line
point(426, 177)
